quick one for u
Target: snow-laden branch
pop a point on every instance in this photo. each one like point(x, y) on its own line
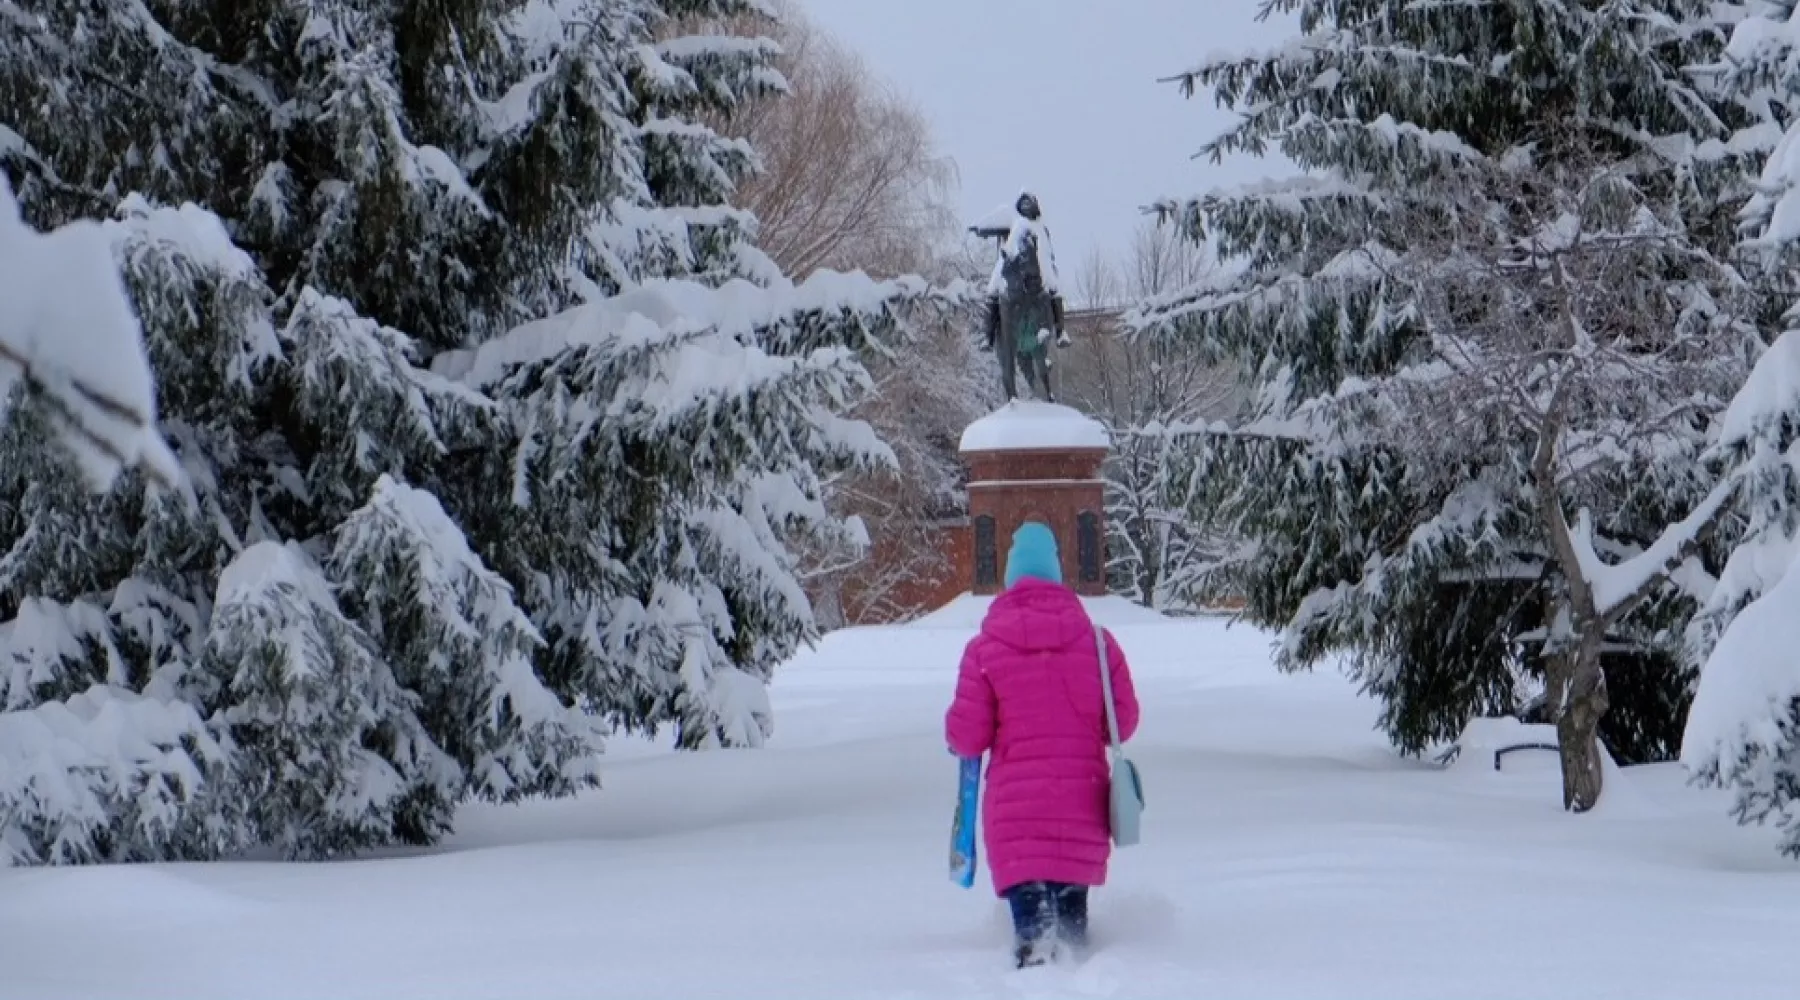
point(67, 327)
point(1617, 587)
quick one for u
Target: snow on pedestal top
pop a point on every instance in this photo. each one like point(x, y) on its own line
point(1025, 425)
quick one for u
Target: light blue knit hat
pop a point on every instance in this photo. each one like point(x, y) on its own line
point(1033, 554)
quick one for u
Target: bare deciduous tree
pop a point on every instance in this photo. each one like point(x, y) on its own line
point(922, 417)
point(850, 178)
point(1137, 387)
point(1098, 283)
point(850, 181)
point(1576, 343)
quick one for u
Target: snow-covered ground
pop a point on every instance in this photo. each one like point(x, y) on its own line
point(1288, 854)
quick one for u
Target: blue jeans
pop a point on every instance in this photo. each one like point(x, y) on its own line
point(1042, 909)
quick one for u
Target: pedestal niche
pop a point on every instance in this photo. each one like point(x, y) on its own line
point(1034, 461)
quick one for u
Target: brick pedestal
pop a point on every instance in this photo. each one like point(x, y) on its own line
point(1027, 476)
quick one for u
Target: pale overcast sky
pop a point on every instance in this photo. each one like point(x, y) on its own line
point(1062, 96)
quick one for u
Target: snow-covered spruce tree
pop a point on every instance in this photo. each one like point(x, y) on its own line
point(326, 199)
point(329, 752)
point(673, 440)
point(309, 200)
point(1743, 732)
point(1538, 142)
point(459, 642)
point(98, 770)
point(672, 434)
point(1760, 71)
point(106, 618)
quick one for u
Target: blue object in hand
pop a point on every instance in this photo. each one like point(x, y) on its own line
point(962, 830)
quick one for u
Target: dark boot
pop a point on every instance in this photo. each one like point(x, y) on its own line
point(1070, 903)
point(1032, 955)
point(1034, 924)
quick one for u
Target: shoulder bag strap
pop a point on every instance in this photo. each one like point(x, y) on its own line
point(1112, 712)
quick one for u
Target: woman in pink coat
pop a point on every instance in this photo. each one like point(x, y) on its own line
point(1028, 692)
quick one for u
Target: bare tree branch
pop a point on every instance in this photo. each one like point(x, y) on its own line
point(850, 180)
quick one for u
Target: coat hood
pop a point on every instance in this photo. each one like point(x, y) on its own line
point(1037, 615)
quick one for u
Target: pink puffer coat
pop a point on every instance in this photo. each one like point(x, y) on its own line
point(1029, 692)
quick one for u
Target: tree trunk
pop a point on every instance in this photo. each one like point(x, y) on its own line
point(1577, 687)
point(1578, 698)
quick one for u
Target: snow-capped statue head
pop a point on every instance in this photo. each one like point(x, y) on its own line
point(1026, 264)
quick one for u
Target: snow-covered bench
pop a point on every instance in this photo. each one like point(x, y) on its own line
point(1495, 738)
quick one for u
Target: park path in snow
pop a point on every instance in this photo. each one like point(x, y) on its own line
point(1288, 853)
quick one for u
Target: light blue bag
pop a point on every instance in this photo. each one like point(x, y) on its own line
point(1125, 796)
